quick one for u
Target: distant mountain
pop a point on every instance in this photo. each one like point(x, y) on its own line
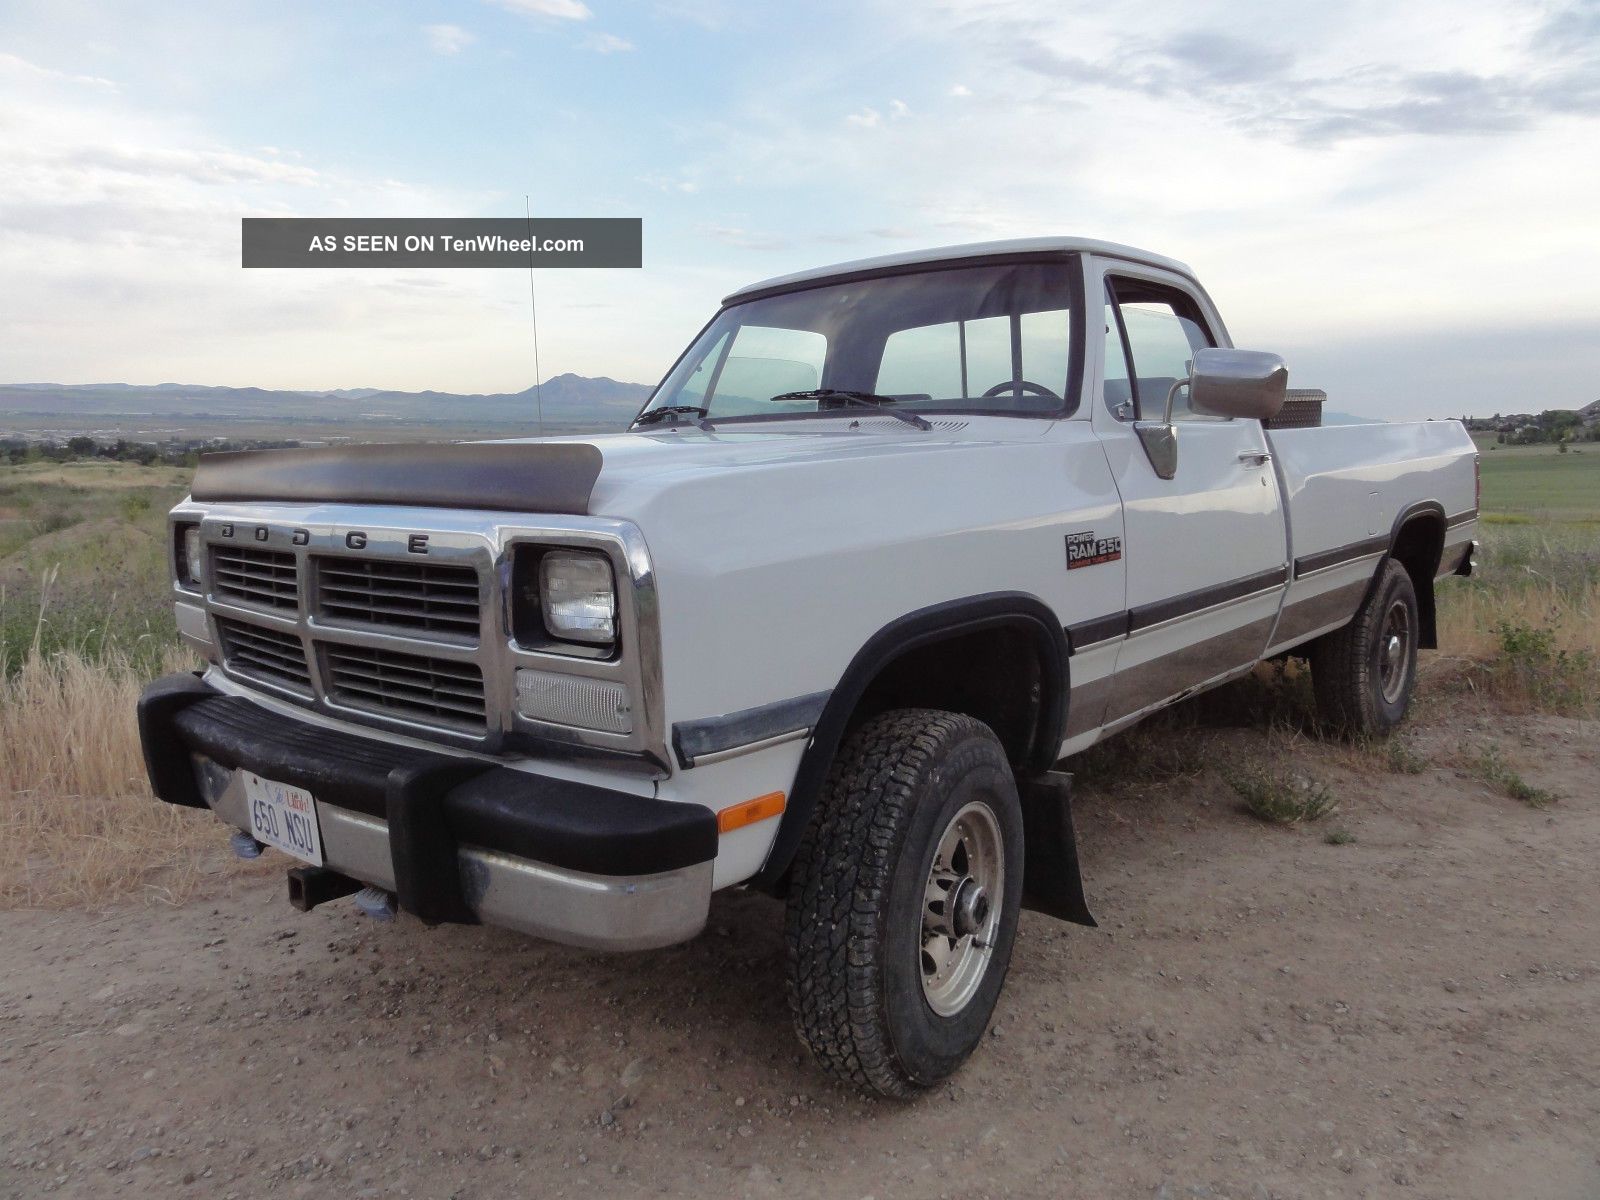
point(571, 401)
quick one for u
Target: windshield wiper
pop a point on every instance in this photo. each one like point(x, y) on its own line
point(865, 399)
point(652, 415)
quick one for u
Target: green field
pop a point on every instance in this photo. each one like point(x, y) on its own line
point(1541, 483)
point(83, 559)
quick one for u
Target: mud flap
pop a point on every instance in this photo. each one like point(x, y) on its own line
point(1051, 881)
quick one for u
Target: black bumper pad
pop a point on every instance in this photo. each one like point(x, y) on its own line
point(433, 801)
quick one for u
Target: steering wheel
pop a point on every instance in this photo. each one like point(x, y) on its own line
point(1020, 385)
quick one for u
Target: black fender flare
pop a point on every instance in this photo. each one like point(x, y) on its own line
point(923, 627)
point(1427, 612)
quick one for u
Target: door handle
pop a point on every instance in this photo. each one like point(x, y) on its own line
point(1254, 458)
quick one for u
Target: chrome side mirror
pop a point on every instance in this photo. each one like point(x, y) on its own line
point(1221, 383)
point(1236, 383)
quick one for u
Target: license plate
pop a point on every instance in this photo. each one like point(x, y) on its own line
point(283, 816)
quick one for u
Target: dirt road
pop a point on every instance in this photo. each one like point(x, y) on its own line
point(1262, 1014)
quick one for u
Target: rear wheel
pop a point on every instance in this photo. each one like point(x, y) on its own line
point(904, 900)
point(1363, 674)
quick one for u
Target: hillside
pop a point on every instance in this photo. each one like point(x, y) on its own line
point(569, 400)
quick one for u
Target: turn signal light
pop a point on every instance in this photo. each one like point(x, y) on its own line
point(749, 812)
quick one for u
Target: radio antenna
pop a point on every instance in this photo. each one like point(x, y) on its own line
point(533, 305)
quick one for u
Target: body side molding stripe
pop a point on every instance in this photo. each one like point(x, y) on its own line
point(1461, 518)
point(1147, 615)
point(1323, 559)
point(749, 727)
point(1101, 629)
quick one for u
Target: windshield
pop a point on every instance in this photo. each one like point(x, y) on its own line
point(992, 339)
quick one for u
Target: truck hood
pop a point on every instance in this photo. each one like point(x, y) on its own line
point(617, 475)
point(638, 468)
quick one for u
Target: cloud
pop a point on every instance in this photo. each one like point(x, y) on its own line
point(669, 183)
point(1339, 91)
point(447, 39)
point(712, 15)
point(563, 10)
point(126, 222)
point(746, 239)
point(960, 90)
point(608, 43)
point(12, 65)
point(872, 118)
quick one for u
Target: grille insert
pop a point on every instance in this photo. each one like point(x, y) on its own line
point(434, 691)
point(268, 578)
point(269, 655)
point(425, 597)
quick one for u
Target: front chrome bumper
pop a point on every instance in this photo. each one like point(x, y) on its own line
point(579, 908)
point(457, 839)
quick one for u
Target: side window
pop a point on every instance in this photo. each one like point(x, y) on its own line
point(1163, 330)
point(1118, 391)
point(766, 361)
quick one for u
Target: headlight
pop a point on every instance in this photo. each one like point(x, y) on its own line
point(578, 597)
point(188, 554)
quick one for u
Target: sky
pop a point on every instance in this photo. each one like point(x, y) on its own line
point(1401, 199)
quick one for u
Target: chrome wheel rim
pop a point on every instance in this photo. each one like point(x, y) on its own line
point(1394, 651)
point(961, 907)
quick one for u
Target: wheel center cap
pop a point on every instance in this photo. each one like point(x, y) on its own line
point(969, 907)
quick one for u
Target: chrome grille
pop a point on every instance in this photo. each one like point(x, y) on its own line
point(426, 597)
point(434, 690)
point(269, 655)
point(269, 578)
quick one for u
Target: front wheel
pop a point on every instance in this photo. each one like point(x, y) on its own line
point(1363, 674)
point(904, 900)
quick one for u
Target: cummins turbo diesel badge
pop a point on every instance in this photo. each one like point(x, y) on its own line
point(1086, 550)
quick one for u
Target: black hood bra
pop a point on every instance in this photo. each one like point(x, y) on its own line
point(530, 477)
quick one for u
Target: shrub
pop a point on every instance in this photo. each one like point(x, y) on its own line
point(1281, 796)
point(1494, 770)
point(52, 519)
point(1529, 666)
point(1401, 758)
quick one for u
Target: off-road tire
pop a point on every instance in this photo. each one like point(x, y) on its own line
point(856, 899)
point(1348, 665)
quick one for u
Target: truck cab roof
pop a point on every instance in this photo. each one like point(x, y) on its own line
point(911, 259)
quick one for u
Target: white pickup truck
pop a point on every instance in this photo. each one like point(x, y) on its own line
point(890, 541)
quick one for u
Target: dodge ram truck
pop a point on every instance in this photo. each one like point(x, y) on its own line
point(889, 542)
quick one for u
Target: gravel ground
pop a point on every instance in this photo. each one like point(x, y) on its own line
point(1261, 1014)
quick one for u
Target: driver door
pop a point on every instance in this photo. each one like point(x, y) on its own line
point(1207, 550)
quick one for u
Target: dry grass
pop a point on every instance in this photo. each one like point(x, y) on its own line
point(1532, 649)
point(1469, 619)
point(78, 825)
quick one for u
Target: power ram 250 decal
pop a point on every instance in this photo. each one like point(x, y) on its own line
point(1086, 550)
